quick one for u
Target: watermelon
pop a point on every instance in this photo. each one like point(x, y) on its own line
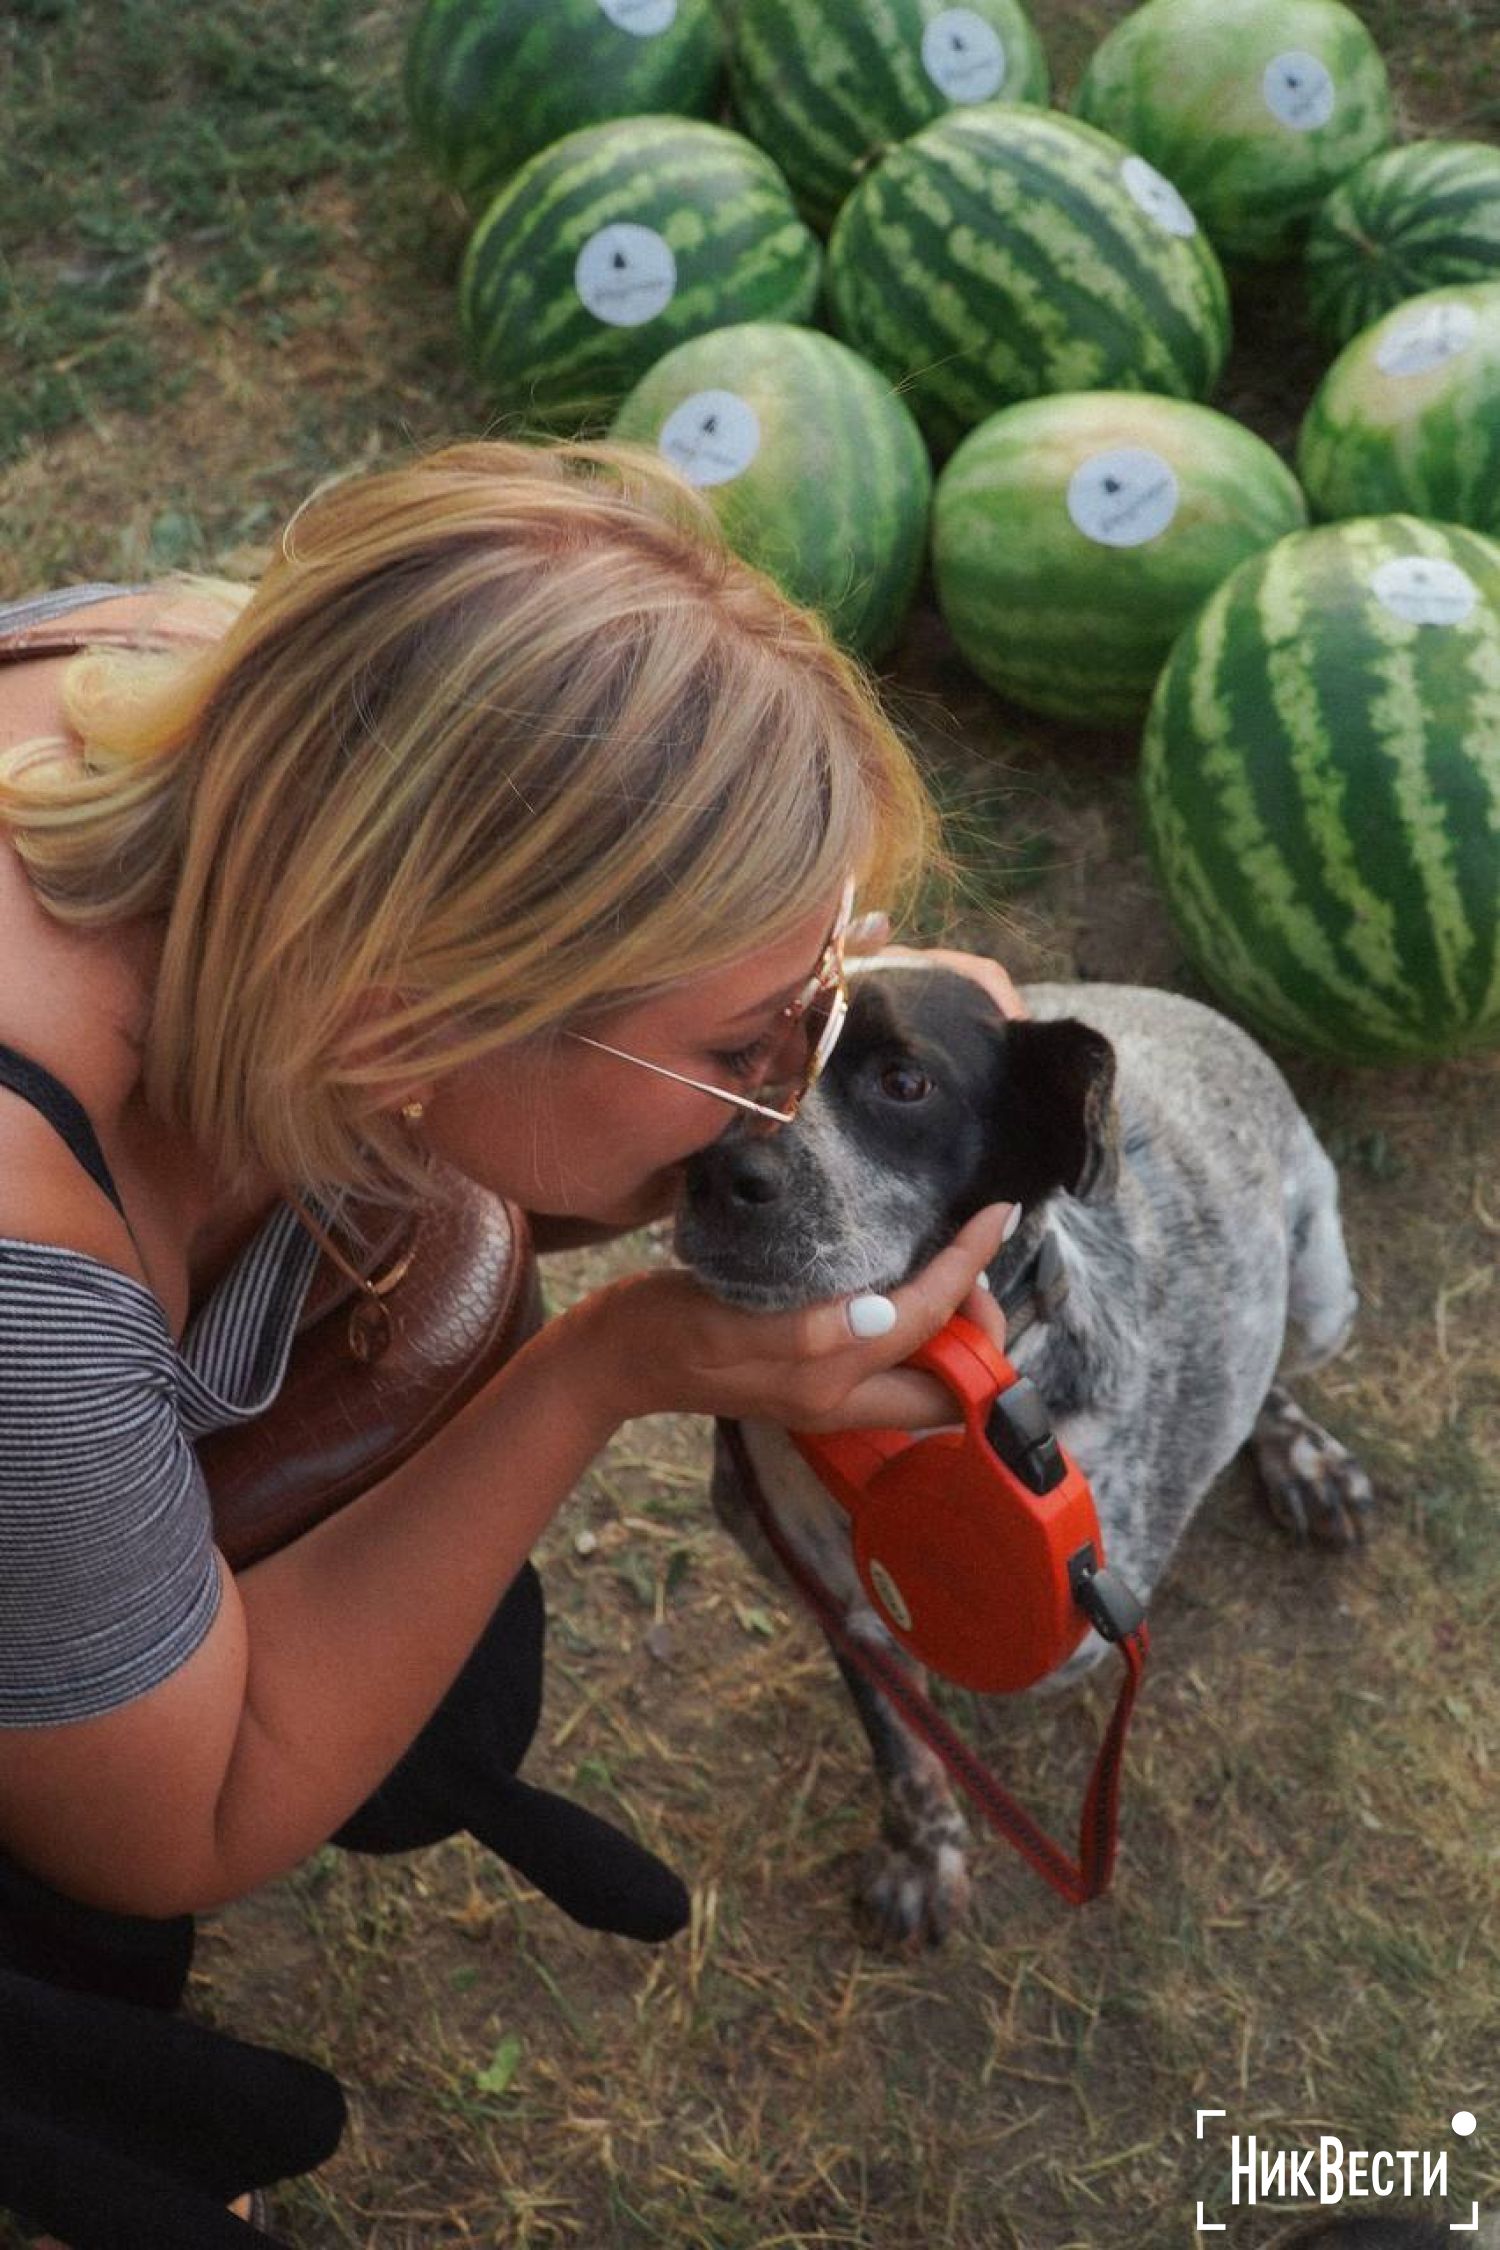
point(823, 85)
point(1255, 109)
point(490, 82)
point(1074, 536)
point(1003, 252)
point(1321, 784)
point(613, 245)
point(1408, 416)
point(1409, 220)
point(816, 469)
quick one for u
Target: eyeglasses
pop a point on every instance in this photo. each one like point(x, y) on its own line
point(813, 1022)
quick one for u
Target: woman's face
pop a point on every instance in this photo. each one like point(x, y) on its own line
point(562, 1129)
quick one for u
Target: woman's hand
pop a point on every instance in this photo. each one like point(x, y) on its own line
point(870, 932)
point(658, 1343)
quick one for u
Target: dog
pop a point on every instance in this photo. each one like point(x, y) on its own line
point(1179, 1215)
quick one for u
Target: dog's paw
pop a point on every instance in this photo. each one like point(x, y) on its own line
point(906, 1899)
point(914, 1885)
point(1314, 1487)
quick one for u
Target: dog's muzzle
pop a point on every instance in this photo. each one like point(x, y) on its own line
point(761, 1224)
point(733, 1219)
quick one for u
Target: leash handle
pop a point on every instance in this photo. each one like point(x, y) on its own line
point(972, 1366)
point(979, 1546)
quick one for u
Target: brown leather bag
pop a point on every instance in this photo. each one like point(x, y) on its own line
point(468, 1296)
point(343, 1419)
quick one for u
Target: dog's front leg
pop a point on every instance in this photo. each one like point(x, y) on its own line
point(913, 1884)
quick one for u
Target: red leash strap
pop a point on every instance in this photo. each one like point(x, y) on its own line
point(1078, 1881)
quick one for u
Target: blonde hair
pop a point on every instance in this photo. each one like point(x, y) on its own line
point(506, 737)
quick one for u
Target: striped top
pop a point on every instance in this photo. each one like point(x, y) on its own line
point(108, 1580)
point(43, 609)
point(107, 1574)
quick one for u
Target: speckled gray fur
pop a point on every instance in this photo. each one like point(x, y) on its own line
point(1223, 1227)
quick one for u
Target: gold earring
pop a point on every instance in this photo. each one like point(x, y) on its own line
point(413, 1112)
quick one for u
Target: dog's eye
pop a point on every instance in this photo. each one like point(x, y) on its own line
point(904, 1082)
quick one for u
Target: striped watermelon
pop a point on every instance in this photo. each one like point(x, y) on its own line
point(1408, 416)
point(1412, 219)
point(817, 471)
point(1003, 252)
point(1254, 108)
point(490, 82)
point(1074, 536)
point(1321, 782)
point(617, 243)
point(823, 84)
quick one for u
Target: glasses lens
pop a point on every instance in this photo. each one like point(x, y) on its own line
point(808, 1044)
point(814, 1021)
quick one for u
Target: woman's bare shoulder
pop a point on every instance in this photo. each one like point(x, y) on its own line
point(31, 706)
point(47, 1198)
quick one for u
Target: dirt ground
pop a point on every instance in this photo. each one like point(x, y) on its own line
point(1305, 1930)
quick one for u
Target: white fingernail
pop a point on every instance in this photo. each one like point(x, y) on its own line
point(1011, 1224)
point(982, 1281)
point(871, 1316)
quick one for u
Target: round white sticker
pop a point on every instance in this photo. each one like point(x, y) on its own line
point(1299, 90)
point(1157, 197)
point(964, 56)
point(643, 18)
point(1123, 497)
point(711, 437)
point(1425, 590)
point(1422, 340)
point(625, 274)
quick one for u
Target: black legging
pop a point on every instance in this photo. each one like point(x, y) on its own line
point(123, 2126)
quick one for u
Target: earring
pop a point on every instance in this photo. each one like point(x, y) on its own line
point(413, 1112)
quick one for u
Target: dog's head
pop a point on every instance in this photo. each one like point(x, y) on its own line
point(932, 1105)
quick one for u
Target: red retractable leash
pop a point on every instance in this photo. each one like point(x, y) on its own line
point(981, 1553)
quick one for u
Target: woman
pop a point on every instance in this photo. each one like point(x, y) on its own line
point(504, 823)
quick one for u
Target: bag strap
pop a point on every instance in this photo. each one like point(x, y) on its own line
point(21, 647)
point(64, 1112)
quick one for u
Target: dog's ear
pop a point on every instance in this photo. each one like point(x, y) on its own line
point(1056, 1125)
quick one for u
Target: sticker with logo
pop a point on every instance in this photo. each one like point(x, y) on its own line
point(1299, 90)
point(1425, 590)
point(1157, 197)
point(643, 19)
point(1123, 497)
point(625, 274)
point(964, 56)
point(889, 1595)
point(712, 437)
point(1422, 340)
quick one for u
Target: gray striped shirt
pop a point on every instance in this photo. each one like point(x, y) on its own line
point(107, 1573)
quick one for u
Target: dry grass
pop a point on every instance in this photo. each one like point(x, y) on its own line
point(1306, 1922)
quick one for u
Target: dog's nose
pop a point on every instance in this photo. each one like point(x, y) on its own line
point(735, 1175)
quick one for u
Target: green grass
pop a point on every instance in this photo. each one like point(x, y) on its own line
point(170, 173)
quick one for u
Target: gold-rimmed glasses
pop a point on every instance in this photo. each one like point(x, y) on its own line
point(812, 1021)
